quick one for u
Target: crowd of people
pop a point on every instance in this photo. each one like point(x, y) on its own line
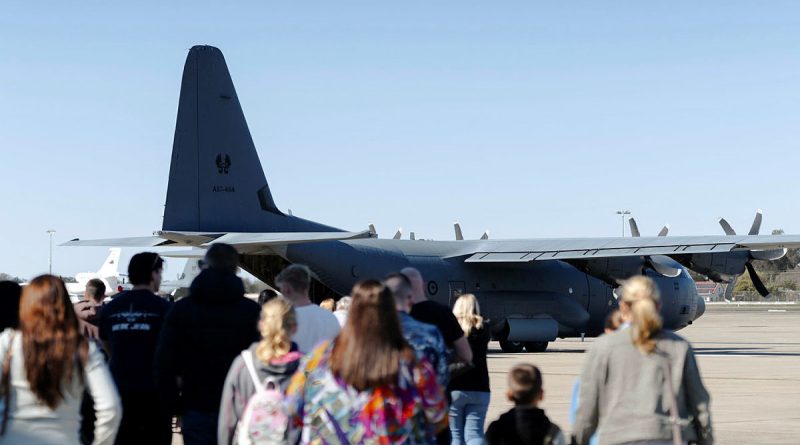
point(382, 365)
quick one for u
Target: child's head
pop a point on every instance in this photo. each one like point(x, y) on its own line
point(614, 320)
point(525, 385)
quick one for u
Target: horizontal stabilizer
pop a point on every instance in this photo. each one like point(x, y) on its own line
point(283, 238)
point(141, 241)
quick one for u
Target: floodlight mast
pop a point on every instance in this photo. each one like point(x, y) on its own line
point(50, 232)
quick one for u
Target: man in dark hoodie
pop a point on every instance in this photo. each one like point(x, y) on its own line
point(526, 423)
point(202, 334)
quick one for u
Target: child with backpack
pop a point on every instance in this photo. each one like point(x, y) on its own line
point(526, 423)
point(251, 410)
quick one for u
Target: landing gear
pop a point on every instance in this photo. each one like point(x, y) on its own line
point(511, 346)
point(535, 346)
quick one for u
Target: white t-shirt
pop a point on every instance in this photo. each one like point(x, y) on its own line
point(314, 324)
point(341, 316)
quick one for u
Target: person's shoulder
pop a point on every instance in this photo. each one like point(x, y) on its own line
point(666, 334)
point(433, 306)
point(555, 436)
point(479, 333)
point(429, 329)
point(318, 313)
point(669, 340)
point(111, 305)
point(249, 303)
point(6, 335)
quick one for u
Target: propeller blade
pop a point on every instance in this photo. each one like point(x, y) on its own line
point(768, 255)
point(485, 234)
point(756, 223)
point(634, 228)
point(413, 237)
point(664, 231)
point(663, 265)
point(757, 283)
point(399, 234)
point(726, 227)
point(372, 229)
point(729, 289)
point(457, 228)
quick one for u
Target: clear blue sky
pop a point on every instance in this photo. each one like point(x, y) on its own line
point(529, 119)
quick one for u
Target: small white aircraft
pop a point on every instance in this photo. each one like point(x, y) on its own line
point(184, 280)
point(108, 274)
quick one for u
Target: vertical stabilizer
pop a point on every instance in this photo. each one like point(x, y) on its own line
point(216, 182)
point(110, 267)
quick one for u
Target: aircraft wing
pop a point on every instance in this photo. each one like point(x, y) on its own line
point(523, 251)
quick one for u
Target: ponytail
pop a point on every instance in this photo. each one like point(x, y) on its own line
point(278, 319)
point(642, 295)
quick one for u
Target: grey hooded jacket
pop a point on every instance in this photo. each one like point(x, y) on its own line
point(624, 392)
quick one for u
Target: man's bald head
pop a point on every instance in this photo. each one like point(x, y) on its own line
point(417, 289)
point(400, 288)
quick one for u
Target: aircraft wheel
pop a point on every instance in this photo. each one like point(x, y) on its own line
point(511, 346)
point(535, 346)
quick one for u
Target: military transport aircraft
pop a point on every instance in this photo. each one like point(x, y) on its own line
point(532, 290)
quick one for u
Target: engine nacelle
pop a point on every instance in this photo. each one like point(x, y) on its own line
point(720, 267)
point(700, 309)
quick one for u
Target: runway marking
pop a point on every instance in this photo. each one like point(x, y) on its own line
point(776, 310)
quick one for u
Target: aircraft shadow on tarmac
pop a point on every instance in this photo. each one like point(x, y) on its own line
point(766, 352)
point(497, 352)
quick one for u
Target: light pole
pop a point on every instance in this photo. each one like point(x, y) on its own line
point(50, 262)
point(623, 213)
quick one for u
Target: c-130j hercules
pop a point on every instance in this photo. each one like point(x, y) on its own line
point(532, 290)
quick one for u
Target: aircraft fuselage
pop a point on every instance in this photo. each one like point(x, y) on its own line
point(579, 302)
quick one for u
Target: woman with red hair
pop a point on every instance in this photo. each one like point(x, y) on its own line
point(47, 364)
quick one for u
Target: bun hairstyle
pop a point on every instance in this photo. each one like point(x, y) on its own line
point(278, 319)
point(641, 295)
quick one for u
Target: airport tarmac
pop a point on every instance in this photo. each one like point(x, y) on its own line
point(748, 357)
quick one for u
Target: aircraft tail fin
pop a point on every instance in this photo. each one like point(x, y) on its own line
point(190, 271)
point(110, 267)
point(216, 181)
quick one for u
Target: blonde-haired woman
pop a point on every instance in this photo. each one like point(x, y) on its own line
point(636, 380)
point(275, 356)
point(470, 391)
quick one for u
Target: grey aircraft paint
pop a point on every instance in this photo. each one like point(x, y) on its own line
point(532, 290)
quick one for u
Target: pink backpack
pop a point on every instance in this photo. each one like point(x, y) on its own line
point(265, 421)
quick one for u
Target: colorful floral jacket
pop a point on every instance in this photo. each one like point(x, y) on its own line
point(328, 411)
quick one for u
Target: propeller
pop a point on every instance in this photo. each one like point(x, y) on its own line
point(457, 228)
point(460, 234)
point(635, 229)
point(767, 255)
point(662, 264)
point(399, 234)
